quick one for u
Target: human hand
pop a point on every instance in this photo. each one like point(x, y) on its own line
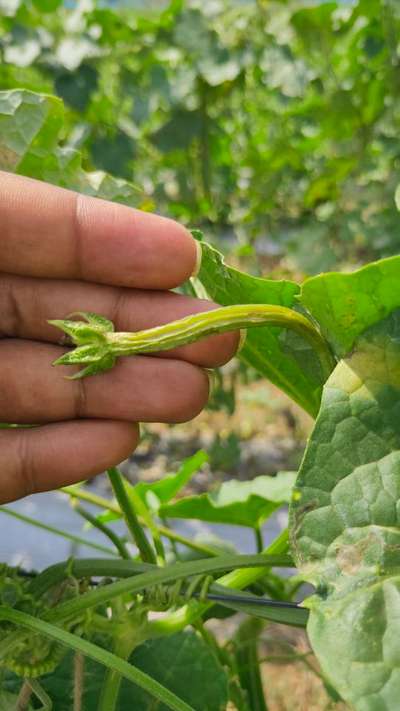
point(63, 252)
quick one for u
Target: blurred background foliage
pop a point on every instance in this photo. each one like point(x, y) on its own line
point(272, 125)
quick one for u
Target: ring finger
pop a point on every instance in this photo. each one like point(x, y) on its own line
point(139, 388)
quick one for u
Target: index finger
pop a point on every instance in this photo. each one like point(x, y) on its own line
point(52, 232)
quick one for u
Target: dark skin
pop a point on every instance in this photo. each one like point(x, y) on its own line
point(63, 252)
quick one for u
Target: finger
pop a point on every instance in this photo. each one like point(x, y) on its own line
point(137, 389)
point(52, 232)
point(27, 304)
point(43, 458)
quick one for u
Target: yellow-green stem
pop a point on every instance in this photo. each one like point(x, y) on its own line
point(228, 318)
point(146, 551)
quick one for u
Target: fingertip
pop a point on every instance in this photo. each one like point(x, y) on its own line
point(229, 346)
point(182, 252)
point(128, 437)
point(166, 253)
point(192, 399)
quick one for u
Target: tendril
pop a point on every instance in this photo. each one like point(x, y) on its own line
point(165, 597)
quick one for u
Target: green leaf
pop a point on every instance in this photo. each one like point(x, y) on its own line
point(346, 304)
point(187, 666)
point(183, 663)
point(31, 128)
point(168, 487)
point(120, 666)
point(83, 354)
point(28, 123)
point(345, 520)
point(79, 332)
point(286, 360)
point(99, 323)
point(242, 503)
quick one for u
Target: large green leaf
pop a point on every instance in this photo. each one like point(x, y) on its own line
point(182, 662)
point(185, 664)
point(30, 133)
point(345, 518)
point(346, 304)
point(242, 503)
point(285, 359)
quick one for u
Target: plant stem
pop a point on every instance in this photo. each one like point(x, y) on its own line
point(86, 568)
point(119, 544)
point(79, 668)
point(237, 579)
point(127, 636)
point(168, 574)
point(146, 551)
point(148, 521)
point(112, 682)
point(103, 567)
point(204, 140)
point(24, 696)
point(103, 503)
point(228, 318)
point(259, 539)
point(99, 346)
point(246, 654)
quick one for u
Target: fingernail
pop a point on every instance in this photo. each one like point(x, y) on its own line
point(197, 265)
point(211, 379)
point(242, 339)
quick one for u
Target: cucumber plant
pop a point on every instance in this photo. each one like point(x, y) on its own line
point(83, 632)
point(345, 510)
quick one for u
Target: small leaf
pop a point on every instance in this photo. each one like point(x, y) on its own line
point(101, 366)
point(79, 332)
point(240, 503)
point(83, 354)
point(102, 324)
point(167, 487)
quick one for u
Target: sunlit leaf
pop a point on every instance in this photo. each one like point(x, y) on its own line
point(243, 503)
